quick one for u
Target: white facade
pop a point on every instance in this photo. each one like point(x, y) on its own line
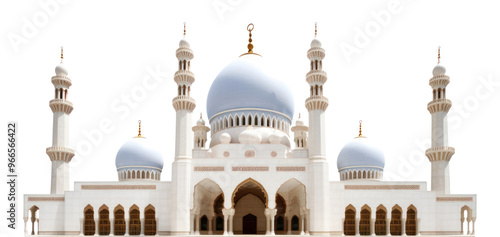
point(251, 179)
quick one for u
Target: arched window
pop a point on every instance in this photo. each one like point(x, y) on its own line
point(204, 223)
point(444, 93)
point(33, 215)
point(396, 222)
point(316, 90)
point(119, 221)
point(312, 91)
point(280, 223)
point(60, 93)
point(184, 90)
point(316, 64)
point(89, 222)
point(433, 94)
point(380, 222)
point(66, 93)
point(355, 175)
point(262, 121)
point(134, 222)
point(411, 222)
point(184, 65)
point(219, 223)
point(364, 174)
point(237, 119)
point(312, 65)
point(364, 222)
point(143, 175)
point(150, 221)
point(295, 223)
point(226, 124)
point(349, 222)
point(256, 120)
point(268, 122)
point(249, 119)
point(439, 93)
point(104, 225)
point(243, 120)
point(189, 65)
point(230, 121)
point(180, 65)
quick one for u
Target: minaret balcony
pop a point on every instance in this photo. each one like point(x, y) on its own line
point(316, 52)
point(184, 53)
point(316, 76)
point(439, 105)
point(183, 102)
point(61, 105)
point(60, 153)
point(442, 153)
point(61, 80)
point(439, 80)
point(184, 76)
point(316, 102)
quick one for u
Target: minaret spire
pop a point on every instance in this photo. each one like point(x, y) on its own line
point(315, 29)
point(62, 55)
point(440, 153)
point(184, 30)
point(59, 153)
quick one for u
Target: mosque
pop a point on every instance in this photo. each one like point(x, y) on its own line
point(259, 173)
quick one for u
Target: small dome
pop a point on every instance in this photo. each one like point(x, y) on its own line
point(61, 70)
point(275, 138)
point(138, 153)
point(183, 43)
point(200, 122)
point(225, 138)
point(315, 43)
point(250, 136)
point(438, 70)
point(360, 153)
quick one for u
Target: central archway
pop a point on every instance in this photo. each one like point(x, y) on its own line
point(249, 200)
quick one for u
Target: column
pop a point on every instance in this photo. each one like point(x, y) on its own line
point(289, 225)
point(225, 212)
point(96, 221)
point(231, 217)
point(356, 226)
point(191, 223)
point(210, 223)
point(267, 222)
point(272, 214)
point(37, 226)
point(111, 226)
point(127, 224)
point(403, 226)
point(302, 225)
point(372, 226)
point(388, 223)
point(468, 226)
point(142, 224)
point(197, 221)
point(473, 226)
point(81, 227)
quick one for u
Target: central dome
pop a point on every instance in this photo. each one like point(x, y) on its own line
point(243, 84)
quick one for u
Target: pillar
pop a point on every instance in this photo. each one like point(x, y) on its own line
point(372, 226)
point(267, 222)
point(272, 214)
point(468, 226)
point(302, 225)
point(289, 225)
point(356, 226)
point(225, 212)
point(96, 221)
point(127, 224)
point(388, 223)
point(197, 221)
point(231, 217)
point(403, 226)
point(308, 222)
point(142, 223)
point(462, 225)
point(111, 226)
point(210, 223)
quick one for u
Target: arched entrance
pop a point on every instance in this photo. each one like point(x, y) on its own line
point(249, 201)
point(207, 208)
point(291, 205)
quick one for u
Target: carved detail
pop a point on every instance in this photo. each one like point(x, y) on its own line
point(209, 168)
point(454, 199)
point(382, 187)
point(118, 187)
point(250, 153)
point(45, 199)
point(250, 168)
point(290, 168)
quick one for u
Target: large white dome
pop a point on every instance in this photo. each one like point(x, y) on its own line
point(137, 153)
point(244, 84)
point(360, 154)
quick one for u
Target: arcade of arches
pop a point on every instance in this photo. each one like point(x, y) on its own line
point(250, 213)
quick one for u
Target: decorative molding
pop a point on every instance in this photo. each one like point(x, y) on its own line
point(209, 168)
point(274, 154)
point(226, 154)
point(290, 168)
point(454, 199)
point(382, 187)
point(118, 187)
point(45, 199)
point(250, 168)
point(249, 153)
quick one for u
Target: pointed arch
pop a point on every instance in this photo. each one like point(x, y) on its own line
point(231, 122)
point(380, 220)
point(262, 121)
point(243, 120)
point(248, 182)
point(237, 120)
point(134, 220)
point(256, 120)
point(396, 220)
point(268, 124)
point(250, 119)
point(350, 220)
point(204, 223)
point(149, 220)
point(88, 222)
point(104, 224)
point(364, 221)
point(411, 221)
point(439, 93)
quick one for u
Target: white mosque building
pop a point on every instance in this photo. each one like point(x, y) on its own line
point(257, 174)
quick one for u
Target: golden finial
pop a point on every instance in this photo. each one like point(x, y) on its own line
point(315, 29)
point(200, 116)
point(299, 115)
point(439, 54)
point(139, 135)
point(184, 29)
point(360, 135)
point(250, 45)
point(62, 56)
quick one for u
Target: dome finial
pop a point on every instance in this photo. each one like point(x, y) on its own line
point(200, 116)
point(299, 115)
point(184, 30)
point(360, 135)
point(315, 29)
point(250, 45)
point(62, 56)
point(139, 135)
point(439, 54)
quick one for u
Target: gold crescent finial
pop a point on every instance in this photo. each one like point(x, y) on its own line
point(139, 135)
point(200, 116)
point(360, 122)
point(250, 45)
point(315, 29)
point(439, 54)
point(184, 29)
point(62, 56)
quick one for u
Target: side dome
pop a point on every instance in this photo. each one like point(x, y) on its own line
point(136, 159)
point(243, 84)
point(359, 159)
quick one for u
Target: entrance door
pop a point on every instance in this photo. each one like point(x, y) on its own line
point(249, 224)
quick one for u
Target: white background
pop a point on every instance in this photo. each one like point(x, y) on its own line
point(111, 46)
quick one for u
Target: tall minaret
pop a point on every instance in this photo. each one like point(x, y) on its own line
point(440, 153)
point(59, 153)
point(316, 104)
point(181, 168)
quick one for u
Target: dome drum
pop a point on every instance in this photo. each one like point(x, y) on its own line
point(359, 159)
point(136, 159)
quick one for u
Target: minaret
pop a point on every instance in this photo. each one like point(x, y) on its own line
point(300, 134)
point(181, 168)
point(59, 153)
point(316, 104)
point(440, 153)
point(200, 134)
